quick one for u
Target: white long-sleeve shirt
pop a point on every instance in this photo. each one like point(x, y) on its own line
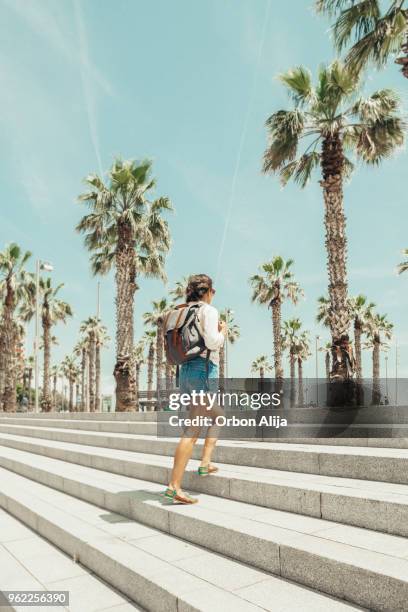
point(213, 338)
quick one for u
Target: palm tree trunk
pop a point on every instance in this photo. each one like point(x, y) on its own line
point(46, 403)
point(71, 396)
point(357, 347)
point(292, 379)
point(137, 385)
point(403, 61)
point(92, 372)
point(83, 381)
point(277, 341)
point(124, 371)
point(168, 381)
point(10, 334)
point(98, 405)
point(376, 393)
point(2, 364)
point(150, 369)
point(336, 243)
point(301, 396)
point(159, 364)
point(54, 392)
point(327, 362)
point(77, 407)
point(261, 373)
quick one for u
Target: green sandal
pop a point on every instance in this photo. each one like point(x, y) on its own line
point(206, 470)
point(171, 494)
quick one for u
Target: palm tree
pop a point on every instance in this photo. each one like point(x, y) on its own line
point(271, 286)
point(139, 360)
point(53, 310)
point(302, 352)
point(82, 350)
point(326, 349)
point(150, 339)
point(330, 116)
point(261, 366)
point(155, 318)
point(16, 285)
point(233, 333)
point(125, 229)
point(378, 328)
point(361, 311)
point(290, 342)
point(55, 372)
point(89, 329)
point(179, 291)
point(378, 35)
point(71, 372)
point(101, 341)
point(403, 266)
point(30, 369)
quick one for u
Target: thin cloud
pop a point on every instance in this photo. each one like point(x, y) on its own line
point(84, 63)
point(42, 22)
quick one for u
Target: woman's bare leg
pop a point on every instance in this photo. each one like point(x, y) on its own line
point(182, 456)
point(211, 437)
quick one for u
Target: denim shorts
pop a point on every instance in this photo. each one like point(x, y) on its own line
point(198, 375)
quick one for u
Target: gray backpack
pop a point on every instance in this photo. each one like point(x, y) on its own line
point(182, 336)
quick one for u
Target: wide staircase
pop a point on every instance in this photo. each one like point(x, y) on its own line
point(282, 526)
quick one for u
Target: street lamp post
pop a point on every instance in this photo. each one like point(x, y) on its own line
point(47, 267)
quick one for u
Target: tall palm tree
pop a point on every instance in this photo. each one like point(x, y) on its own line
point(139, 360)
point(155, 319)
point(125, 229)
point(379, 328)
point(55, 372)
point(53, 310)
point(30, 370)
point(233, 333)
point(403, 266)
point(377, 34)
point(15, 285)
point(302, 352)
point(82, 350)
point(326, 349)
point(71, 372)
point(89, 329)
point(101, 341)
point(331, 120)
point(261, 365)
point(361, 311)
point(150, 339)
point(272, 286)
point(290, 342)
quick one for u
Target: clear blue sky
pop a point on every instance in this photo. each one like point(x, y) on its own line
point(188, 84)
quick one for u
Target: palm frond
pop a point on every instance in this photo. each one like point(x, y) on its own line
point(403, 266)
point(301, 169)
point(356, 21)
point(298, 81)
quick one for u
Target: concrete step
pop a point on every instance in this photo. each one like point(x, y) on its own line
point(378, 506)
point(141, 426)
point(79, 416)
point(125, 423)
point(380, 464)
point(164, 573)
point(30, 563)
